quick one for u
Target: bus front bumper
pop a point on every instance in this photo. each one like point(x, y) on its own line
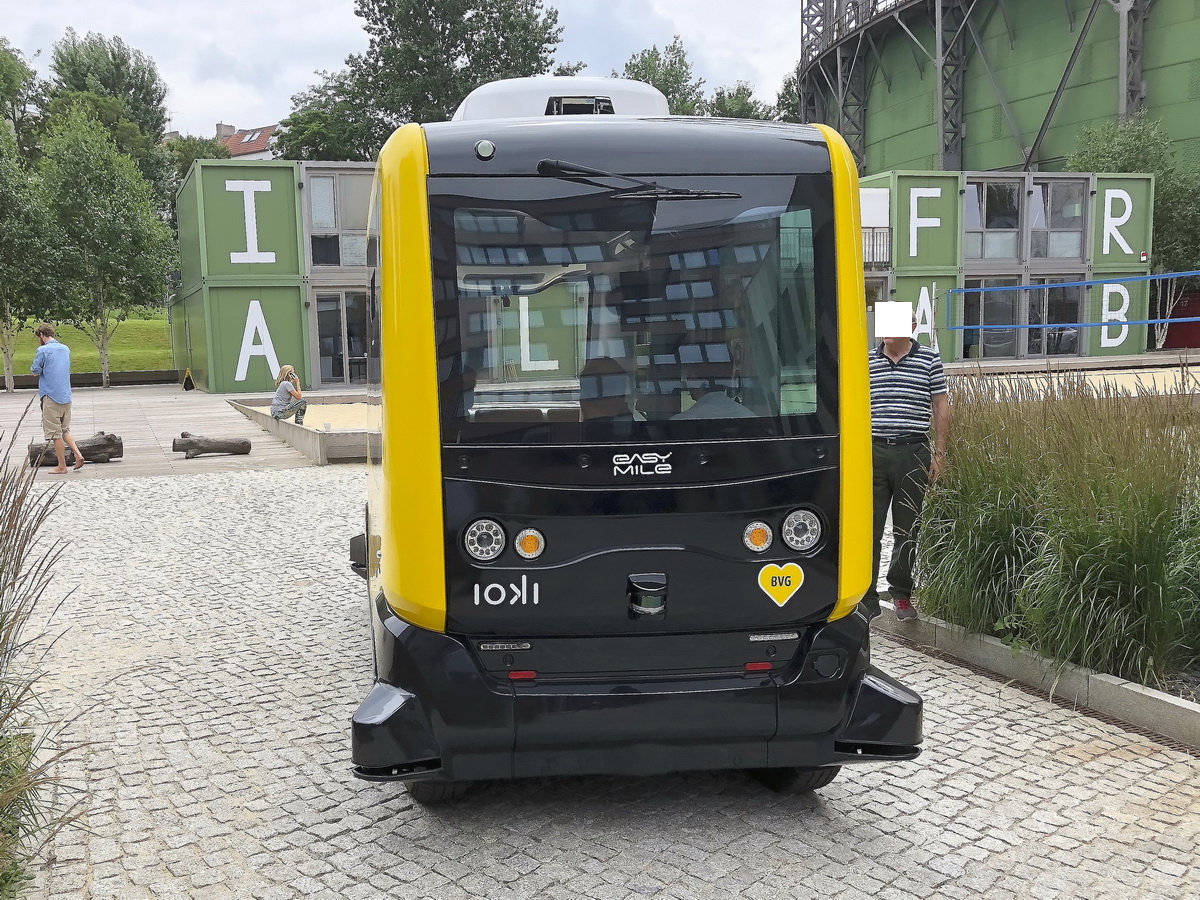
point(434, 714)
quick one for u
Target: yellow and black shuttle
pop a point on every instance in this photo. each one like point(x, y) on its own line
point(621, 518)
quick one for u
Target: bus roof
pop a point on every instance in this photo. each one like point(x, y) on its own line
point(545, 95)
point(676, 145)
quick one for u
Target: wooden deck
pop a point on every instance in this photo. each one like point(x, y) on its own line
point(147, 418)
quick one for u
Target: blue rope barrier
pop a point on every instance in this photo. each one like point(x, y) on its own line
point(1111, 323)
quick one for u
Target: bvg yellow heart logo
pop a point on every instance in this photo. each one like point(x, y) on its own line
point(780, 582)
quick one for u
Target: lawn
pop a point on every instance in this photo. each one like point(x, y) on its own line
point(137, 346)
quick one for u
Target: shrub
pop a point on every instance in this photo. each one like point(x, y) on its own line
point(1068, 521)
point(29, 815)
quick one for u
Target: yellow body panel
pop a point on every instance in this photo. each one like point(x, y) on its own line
point(412, 563)
point(854, 562)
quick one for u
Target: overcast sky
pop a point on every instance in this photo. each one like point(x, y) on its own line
point(240, 61)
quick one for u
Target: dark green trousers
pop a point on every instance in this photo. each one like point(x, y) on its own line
point(901, 475)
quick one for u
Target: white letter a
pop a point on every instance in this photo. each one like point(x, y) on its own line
point(256, 324)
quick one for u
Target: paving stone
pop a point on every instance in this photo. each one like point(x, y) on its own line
point(216, 685)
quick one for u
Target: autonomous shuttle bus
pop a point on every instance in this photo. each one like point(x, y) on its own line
point(621, 519)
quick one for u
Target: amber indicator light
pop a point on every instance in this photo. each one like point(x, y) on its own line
point(530, 543)
point(757, 536)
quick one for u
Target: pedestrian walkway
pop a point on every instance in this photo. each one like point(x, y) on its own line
point(148, 418)
point(211, 691)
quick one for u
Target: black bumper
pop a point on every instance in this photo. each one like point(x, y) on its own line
point(434, 712)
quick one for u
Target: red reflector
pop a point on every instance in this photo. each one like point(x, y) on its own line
point(757, 666)
point(522, 675)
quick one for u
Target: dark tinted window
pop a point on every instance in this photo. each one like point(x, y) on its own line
point(326, 250)
point(595, 316)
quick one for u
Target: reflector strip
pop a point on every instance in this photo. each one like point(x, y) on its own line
point(757, 666)
point(522, 675)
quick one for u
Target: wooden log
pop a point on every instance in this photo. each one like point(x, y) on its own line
point(192, 445)
point(99, 448)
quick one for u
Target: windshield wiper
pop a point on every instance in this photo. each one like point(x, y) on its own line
point(650, 190)
point(667, 193)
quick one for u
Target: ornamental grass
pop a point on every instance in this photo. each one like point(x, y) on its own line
point(1067, 521)
point(31, 810)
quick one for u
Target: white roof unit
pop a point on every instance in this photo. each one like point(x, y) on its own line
point(549, 95)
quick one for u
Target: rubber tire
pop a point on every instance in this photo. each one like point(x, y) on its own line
point(433, 793)
point(795, 779)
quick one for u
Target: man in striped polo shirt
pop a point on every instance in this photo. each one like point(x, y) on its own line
point(908, 387)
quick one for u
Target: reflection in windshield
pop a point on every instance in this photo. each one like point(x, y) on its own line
point(592, 316)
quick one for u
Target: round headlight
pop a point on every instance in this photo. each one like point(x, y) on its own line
point(801, 529)
point(757, 536)
point(484, 540)
point(530, 543)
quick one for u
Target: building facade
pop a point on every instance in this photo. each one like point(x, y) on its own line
point(247, 143)
point(273, 271)
point(1013, 265)
point(275, 256)
point(335, 209)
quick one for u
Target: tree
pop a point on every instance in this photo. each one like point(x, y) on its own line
point(423, 57)
point(22, 98)
point(121, 88)
point(111, 68)
point(179, 154)
point(737, 102)
point(331, 121)
point(150, 158)
point(670, 71)
point(115, 248)
point(787, 102)
point(1141, 145)
point(28, 249)
point(184, 150)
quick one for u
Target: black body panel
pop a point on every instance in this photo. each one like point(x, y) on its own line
point(579, 659)
point(822, 704)
point(700, 463)
point(597, 538)
point(684, 145)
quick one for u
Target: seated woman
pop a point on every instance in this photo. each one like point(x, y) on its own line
point(288, 399)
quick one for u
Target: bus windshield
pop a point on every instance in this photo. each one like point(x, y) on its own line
point(571, 311)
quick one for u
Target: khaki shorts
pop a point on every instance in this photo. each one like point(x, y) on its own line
point(56, 419)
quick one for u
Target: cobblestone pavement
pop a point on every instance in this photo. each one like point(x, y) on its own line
point(215, 645)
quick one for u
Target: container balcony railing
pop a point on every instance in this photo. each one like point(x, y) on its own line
point(877, 248)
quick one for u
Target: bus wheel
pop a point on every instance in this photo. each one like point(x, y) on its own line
point(431, 793)
point(795, 779)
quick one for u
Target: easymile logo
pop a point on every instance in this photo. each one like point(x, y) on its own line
point(641, 464)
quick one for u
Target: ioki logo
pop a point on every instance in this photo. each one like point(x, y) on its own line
point(498, 594)
point(641, 464)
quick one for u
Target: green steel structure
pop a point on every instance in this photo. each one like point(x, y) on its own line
point(996, 84)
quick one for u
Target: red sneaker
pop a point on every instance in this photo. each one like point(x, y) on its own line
point(904, 608)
